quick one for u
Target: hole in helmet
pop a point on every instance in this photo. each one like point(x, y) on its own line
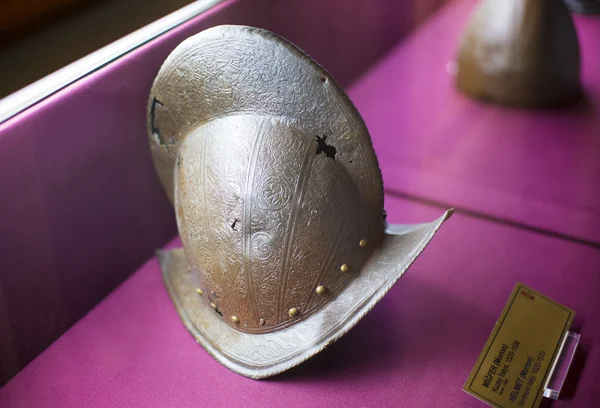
point(326, 149)
point(233, 224)
point(214, 304)
point(156, 109)
point(155, 130)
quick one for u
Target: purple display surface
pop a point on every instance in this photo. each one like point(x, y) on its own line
point(416, 348)
point(538, 169)
point(80, 205)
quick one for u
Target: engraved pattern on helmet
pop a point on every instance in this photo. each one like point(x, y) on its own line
point(264, 219)
point(278, 253)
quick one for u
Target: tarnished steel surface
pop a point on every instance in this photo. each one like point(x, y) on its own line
point(264, 355)
point(278, 197)
point(276, 181)
point(265, 219)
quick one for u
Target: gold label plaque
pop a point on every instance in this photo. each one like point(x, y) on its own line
point(514, 365)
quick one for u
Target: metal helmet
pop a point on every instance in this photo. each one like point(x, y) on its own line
point(278, 198)
point(520, 52)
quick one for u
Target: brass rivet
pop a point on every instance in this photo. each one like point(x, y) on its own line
point(261, 322)
point(213, 306)
point(344, 268)
point(363, 243)
point(293, 312)
point(320, 289)
point(199, 291)
point(189, 268)
point(234, 320)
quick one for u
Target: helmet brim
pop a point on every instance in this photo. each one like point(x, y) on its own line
point(263, 355)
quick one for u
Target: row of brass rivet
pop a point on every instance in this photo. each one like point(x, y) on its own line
point(293, 312)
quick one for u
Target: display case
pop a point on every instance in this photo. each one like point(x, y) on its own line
point(85, 319)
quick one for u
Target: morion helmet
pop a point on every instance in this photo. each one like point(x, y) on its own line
point(278, 198)
point(521, 53)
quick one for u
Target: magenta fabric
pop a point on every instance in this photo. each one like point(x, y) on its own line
point(80, 206)
point(415, 349)
point(535, 168)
